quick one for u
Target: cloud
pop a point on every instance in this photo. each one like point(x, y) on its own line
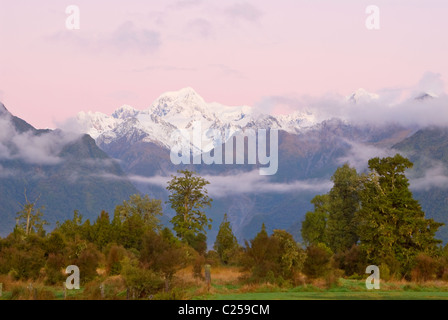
point(359, 155)
point(221, 70)
point(42, 149)
point(125, 38)
point(200, 27)
point(243, 11)
point(434, 177)
point(431, 83)
point(385, 109)
point(227, 71)
point(185, 4)
point(241, 183)
point(165, 68)
point(128, 37)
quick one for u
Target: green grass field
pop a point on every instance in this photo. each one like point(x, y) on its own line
point(345, 289)
point(291, 295)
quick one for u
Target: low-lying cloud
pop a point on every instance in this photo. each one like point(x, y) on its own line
point(424, 104)
point(359, 155)
point(41, 149)
point(240, 183)
point(434, 177)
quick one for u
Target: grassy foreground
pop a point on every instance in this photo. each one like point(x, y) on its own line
point(227, 285)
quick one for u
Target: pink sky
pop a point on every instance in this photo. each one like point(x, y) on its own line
point(232, 52)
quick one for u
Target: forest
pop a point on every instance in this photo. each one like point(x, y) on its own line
point(365, 219)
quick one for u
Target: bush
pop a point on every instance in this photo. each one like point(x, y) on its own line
point(141, 282)
point(88, 261)
point(111, 288)
point(197, 267)
point(18, 292)
point(54, 269)
point(173, 294)
point(269, 258)
point(425, 268)
point(114, 257)
point(317, 262)
point(352, 261)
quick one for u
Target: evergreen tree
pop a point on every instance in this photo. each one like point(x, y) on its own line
point(315, 223)
point(391, 224)
point(71, 228)
point(188, 197)
point(102, 231)
point(226, 243)
point(341, 233)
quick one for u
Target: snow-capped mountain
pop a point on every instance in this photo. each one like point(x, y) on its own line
point(178, 110)
point(362, 95)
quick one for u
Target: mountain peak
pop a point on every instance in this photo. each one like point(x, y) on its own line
point(3, 109)
point(184, 95)
point(425, 96)
point(125, 111)
point(362, 95)
point(185, 101)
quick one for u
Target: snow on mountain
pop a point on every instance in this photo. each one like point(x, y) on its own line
point(96, 123)
point(362, 95)
point(181, 110)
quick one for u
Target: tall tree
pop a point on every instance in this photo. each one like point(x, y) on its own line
point(188, 197)
point(391, 224)
point(226, 243)
point(30, 218)
point(343, 204)
point(314, 226)
point(102, 232)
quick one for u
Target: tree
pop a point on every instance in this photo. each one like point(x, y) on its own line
point(341, 233)
point(102, 231)
point(30, 218)
point(317, 262)
point(272, 258)
point(188, 197)
point(315, 223)
point(144, 207)
point(71, 228)
point(226, 243)
point(161, 255)
point(391, 224)
point(291, 256)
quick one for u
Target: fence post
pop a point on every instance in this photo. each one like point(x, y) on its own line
point(208, 278)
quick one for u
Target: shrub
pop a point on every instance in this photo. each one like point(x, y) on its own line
point(425, 268)
point(54, 269)
point(269, 258)
point(352, 261)
point(114, 257)
point(317, 262)
point(197, 267)
point(142, 282)
point(88, 261)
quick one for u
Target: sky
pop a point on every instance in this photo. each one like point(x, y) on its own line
point(232, 52)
